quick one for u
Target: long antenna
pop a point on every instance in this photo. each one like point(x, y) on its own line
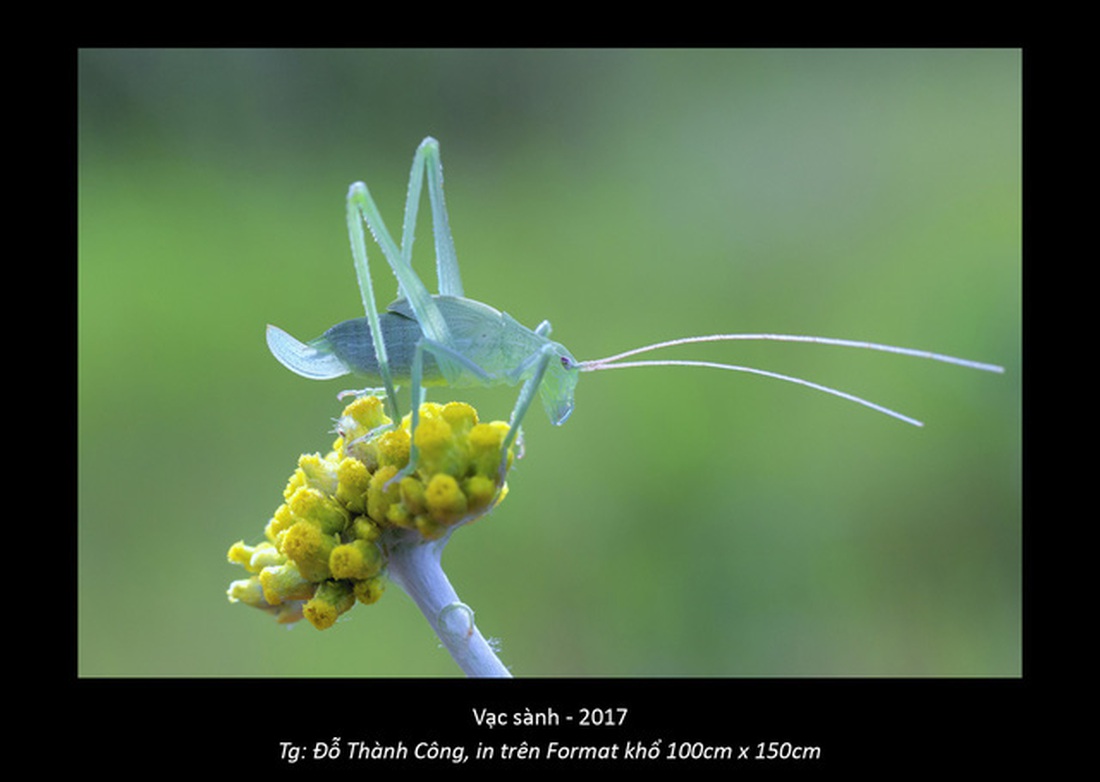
point(847, 343)
point(614, 362)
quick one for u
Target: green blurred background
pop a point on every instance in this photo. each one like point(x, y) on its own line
point(683, 521)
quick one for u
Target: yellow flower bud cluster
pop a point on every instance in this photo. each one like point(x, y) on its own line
point(325, 547)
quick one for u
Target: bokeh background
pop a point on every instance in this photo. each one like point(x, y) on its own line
point(683, 521)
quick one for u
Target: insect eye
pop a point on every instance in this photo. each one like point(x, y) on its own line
point(565, 362)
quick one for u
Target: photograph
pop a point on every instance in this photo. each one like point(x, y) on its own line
point(807, 264)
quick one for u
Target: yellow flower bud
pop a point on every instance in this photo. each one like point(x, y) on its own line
point(379, 497)
point(255, 558)
point(353, 485)
point(281, 583)
point(393, 448)
point(369, 590)
point(445, 500)
point(485, 444)
point(412, 495)
point(356, 560)
point(310, 549)
point(314, 507)
point(480, 491)
point(280, 522)
point(296, 481)
point(247, 591)
point(331, 599)
point(368, 412)
point(461, 417)
point(365, 529)
point(319, 473)
point(436, 443)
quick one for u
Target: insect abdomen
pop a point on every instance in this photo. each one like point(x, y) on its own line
point(351, 342)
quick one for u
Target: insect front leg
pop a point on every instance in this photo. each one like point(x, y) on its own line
point(541, 361)
point(416, 398)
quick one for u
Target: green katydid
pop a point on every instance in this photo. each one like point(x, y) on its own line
point(447, 339)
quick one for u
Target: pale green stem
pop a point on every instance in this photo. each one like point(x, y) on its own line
point(416, 568)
